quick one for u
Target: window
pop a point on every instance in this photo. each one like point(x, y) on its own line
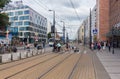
point(10, 14)
point(21, 28)
point(12, 23)
point(27, 34)
point(11, 18)
point(16, 18)
point(26, 17)
point(26, 12)
point(21, 18)
point(20, 33)
point(20, 12)
point(26, 23)
point(18, 23)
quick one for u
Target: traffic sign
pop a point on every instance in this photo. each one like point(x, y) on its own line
point(95, 31)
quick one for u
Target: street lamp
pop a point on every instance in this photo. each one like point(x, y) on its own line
point(90, 30)
point(63, 31)
point(53, 23)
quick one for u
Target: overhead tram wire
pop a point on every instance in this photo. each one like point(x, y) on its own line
point(34, 6)
point(45, 9)
point(75, 10)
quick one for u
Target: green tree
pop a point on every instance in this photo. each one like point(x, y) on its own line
point(3, 3)
point(4, 19)
point(49, 35)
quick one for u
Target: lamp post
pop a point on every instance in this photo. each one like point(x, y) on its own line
point(28, 39)
point(90, 30)
point(53, 24)
point(63, 31)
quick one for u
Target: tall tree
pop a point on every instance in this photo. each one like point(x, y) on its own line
point(4, 19)
point(3, 3)
point(49, 35)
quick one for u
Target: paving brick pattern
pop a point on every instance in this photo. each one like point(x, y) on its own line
point(85, 68)
point(63, 70)
point(111, 62)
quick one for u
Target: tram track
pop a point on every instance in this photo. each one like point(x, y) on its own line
point(84, 68)
point(53, 67)
point(4, 74)
point(61, 70)
point(73, 70)
point(42, 67)
point(21, 62)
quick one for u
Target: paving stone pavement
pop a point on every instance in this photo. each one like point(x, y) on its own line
point(111, 62)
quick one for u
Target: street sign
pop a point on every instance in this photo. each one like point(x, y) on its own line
point(95, 31)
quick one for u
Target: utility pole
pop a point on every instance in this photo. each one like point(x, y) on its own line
point(67, 37)
point(84, 33)
point(63, 31)
point(53, 24)
point(90, 30)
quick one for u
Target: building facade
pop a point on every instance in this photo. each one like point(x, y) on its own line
point(102, 19)
point(86, 24)
point(94, 28)
point(115, 20)
point(81, 34)
point(26, 23)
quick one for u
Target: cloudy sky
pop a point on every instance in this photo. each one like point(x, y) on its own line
point(64, 11)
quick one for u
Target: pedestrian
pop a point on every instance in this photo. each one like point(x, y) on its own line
point(28, 47)
point(67, 46)
point(109, 47)
point(54, 47)
point(59, 47)
point(92, 46)
point(99, 46)
point(43, 45)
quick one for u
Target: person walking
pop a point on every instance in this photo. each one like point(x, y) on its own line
point(59, 47)
point(99, 46)
point(109, 47)
point(43, 44)
point(54, 47)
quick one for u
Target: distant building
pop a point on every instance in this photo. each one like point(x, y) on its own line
point(81, 33)
point(26, 23)
point(86, 23)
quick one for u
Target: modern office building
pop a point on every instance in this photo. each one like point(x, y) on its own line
point(26, 23)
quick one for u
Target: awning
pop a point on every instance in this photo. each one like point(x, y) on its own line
point(115, 32)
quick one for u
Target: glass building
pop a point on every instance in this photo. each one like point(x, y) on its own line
point(26, 23)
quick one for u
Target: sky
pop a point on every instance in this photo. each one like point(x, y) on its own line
point(72, 12)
